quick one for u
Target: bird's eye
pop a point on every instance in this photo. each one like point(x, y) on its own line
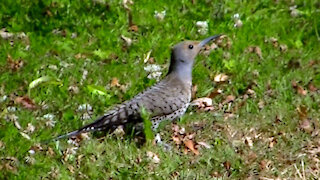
point(190, 46)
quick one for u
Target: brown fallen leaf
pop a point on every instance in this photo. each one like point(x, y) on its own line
point(263, 165)
point(224, 42)
point(204, 144)
point(26, 102)
point(177, 139)
point(71, 169)
point(14, 65)
point(274, 42)
point(311, 87)
point(228, 99)
point(194, 91)
point(190, 145)
point(80, 56)
point(256, 50)
point(50, 152)
point(221, 78)
point(215, 93)
point(306, 126)
point(202, 102)
point(153, 157)
point(25, 135)
point(300, 90)
point(283, 48)
point(114, 82)
point(302, 112)
point(272, 142)
point(127, 40)
point(227, 165)
point(134, 28)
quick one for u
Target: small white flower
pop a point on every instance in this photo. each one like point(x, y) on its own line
point(30, 128)
point(160, 15)
point(85, 116)
point(236, 16)
point(31, 151)
point(49, 116)
point(50, 123)
point(154, 71)
point(85, 107)
point(3, 98)
point(30, 160)
point(202, 27)
point(11, 109)
point(152, 68)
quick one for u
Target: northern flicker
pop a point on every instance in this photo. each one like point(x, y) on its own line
point(166, 100)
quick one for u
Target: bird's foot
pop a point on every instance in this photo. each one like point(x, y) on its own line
point(159, 142)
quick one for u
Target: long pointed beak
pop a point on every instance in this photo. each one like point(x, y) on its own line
point(205, 41)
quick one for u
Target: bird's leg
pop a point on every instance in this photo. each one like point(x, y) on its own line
point(158, 141)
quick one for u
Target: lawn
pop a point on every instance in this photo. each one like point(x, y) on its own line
point(65, 63)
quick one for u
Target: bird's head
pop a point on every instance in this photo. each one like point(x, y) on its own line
point(184, 53)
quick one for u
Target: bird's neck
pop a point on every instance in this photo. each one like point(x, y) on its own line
point(181, 70)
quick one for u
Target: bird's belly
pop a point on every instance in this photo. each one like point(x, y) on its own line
point(174, 115)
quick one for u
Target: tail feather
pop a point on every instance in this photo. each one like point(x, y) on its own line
point(70, 134)
point(97, 125)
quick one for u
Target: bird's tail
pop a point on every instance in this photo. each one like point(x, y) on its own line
point(98, 125)
point(70, 134)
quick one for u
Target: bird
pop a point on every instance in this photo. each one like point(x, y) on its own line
point(166, 100)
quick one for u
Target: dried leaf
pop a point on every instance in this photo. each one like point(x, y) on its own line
point(272, 142)
point(146, 57)
point(50, 152)
point(263, 165)
point(14, 65)
point(194, 91)
point(80, 56)
point(190, 145)
point(26, 102)
point(202, 102)
point(134, 28)
point(248, 141)
point(17, 124)
point(221, 78)
point(114, 82)
point(306, 126)
point(256, 50)
point(127, 3)
point(25, 135)
point(228, 99)
point(204, 144)
point(73, 89)
point(5, 35)
point(227, 165)
point(71, 169)
point(30, 128)
point(44, 79)
point(303, 112)
point(274, 42)
point(301, 91)
point(127, 40)
point(311, 87)
point(177, 139)
point(283, 48)
point(215, 93)
point(153, 157)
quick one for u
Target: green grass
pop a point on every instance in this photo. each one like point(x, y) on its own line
point(281, 146)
